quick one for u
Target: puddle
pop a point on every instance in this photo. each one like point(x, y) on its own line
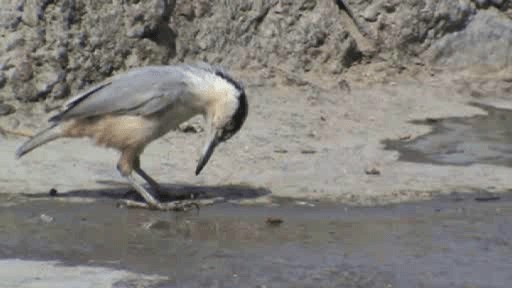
point(485, 139)
point(439, 243)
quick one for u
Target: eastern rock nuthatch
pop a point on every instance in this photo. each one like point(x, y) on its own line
point(130, 110)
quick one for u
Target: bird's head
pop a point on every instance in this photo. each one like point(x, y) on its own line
point(225, 117)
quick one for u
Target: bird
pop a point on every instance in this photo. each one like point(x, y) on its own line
point(128, 111)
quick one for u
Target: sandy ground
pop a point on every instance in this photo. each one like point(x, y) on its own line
point(310, 141)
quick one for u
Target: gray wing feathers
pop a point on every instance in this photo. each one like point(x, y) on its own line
point(140, 91)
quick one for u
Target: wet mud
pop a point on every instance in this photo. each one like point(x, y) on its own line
point(484, 139)
point(453, 241)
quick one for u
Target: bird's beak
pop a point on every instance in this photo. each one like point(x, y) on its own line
point(210, 145)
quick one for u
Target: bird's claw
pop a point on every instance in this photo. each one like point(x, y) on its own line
point(178, 206)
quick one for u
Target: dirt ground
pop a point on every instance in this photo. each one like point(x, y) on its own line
point(314, 139)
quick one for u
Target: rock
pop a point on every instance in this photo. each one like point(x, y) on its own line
point(300, 35)
point(6, 109)
point(144, 18)
point(372, 171)
point(24, 92)
point(373, 11)
point(304, 203)
point(3, 80)
point(53, 192)
point(487, 3)
point(90, 41)
point(10, 19)
point(485, 41)
point(23, 71)
point(274, 221)
point(188, 127)
point(344, 86)
point(46, 218)
point(87, 41)
point(60, 90)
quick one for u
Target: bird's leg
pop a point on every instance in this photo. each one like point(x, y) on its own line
point(125, 166)
point(154, 185)
point(153, 203)
point(150, 199)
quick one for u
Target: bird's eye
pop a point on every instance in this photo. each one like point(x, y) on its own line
point(227, 132)
point(230, 126)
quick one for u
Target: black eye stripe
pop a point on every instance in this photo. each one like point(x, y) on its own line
point(241, 112)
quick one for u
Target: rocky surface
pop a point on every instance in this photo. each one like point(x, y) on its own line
point(486, 40)
point(51, 49)
point(298, 35)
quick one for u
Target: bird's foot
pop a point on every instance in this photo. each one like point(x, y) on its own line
point(179, 206)
point(158, 193)
point(150, 202)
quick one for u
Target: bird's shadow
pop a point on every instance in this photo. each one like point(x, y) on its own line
point(169, 192)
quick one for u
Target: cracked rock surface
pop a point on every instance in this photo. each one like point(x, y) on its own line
point(51, 49)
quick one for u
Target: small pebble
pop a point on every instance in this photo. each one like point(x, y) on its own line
point(190, 128)
point(6, 109)
point(344, 86)
point(274, 221)
point(304, 203)
point(372, 171)
point(45, 218)
point(53, 192)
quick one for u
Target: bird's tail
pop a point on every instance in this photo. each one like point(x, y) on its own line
point(51, 133)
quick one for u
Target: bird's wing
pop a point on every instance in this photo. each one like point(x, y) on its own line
point(140, 91)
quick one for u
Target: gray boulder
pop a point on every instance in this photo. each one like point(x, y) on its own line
point(50, 49)
point(487, 40)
